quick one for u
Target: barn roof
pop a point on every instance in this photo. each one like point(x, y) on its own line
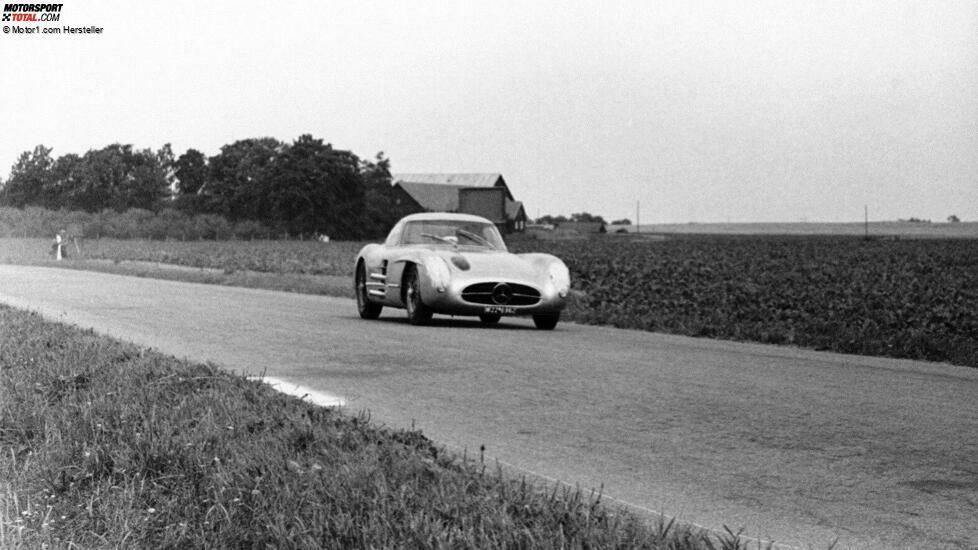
point(433, 196)
point(513, 209)
point(456, 180)
point(436, 197)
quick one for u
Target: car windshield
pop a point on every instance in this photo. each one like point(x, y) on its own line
point(453, 233)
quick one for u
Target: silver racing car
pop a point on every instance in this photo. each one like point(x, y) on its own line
point(457, 264)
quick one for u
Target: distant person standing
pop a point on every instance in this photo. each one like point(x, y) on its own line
point(57, 248)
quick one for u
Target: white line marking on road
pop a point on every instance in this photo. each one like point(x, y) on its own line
point(315, 397)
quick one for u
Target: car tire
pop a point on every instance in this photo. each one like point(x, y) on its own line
point(366, 308)
point(417, 312)
point(546, 321)
point(490, 318)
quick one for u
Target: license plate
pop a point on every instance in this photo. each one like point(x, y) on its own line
point(501, 310)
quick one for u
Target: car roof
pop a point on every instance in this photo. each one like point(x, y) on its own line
point(447, 216)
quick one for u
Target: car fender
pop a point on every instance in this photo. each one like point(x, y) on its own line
point(540, 259)
point(397, 264)
point(543, 261)
point(546, 262)
point(371, 256)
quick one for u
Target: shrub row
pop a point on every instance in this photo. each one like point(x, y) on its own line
point(286, 257)
point(130, 224)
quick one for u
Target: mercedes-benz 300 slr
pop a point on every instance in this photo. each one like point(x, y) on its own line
point(457, 264)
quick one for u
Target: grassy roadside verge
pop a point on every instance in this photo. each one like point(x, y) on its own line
point(104, 444)
point(206, 264)
point(328, 285)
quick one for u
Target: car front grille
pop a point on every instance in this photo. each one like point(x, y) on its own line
point(500, 293)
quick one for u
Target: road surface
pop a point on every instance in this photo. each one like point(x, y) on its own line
point(795, 446)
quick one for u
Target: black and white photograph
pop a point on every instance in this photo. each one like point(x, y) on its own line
point(489, 274)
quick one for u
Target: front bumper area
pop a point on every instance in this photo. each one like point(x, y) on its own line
point(449, 301)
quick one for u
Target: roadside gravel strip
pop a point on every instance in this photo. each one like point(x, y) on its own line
point(796, 446)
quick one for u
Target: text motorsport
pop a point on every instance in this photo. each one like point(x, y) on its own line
point(29, 13)
point(40, 13)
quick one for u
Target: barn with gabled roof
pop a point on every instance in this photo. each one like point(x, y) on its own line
point(445, 192)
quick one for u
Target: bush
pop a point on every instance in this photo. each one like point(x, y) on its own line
point(250, 230)
point(211, 226)
point(135, 223)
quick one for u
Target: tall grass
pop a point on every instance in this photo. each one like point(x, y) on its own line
point(280, 257)
point(107, 445)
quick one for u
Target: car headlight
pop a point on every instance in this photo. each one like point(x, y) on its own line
point(560, 277)
point(439, 275)
point(461, 263)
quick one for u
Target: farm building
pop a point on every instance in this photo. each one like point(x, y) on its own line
point(516, 213)
point(486, 195)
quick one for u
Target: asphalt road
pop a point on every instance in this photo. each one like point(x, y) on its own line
point(796, 446)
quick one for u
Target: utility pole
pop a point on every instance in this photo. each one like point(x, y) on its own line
point(866, 217)
point(638, 221)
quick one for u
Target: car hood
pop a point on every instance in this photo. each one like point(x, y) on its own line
point(494, 264)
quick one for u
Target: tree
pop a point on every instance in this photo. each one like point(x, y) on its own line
point(301, 188)
point(98, 175)
point(114, 177)
point(238, 186)
point(314, 188)
point(167, 163)
point(381, 211)
point(623, 221)
point(953, 218)
point(65, 181)
point(586, 217)
point(149, 179)
point(30, 179)
point(119, 178)
point(190, 172)
point(552, 220)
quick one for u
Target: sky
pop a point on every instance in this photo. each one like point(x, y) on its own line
point(741, 111)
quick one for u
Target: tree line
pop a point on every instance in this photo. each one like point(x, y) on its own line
point(577, 217)
point(301, 188)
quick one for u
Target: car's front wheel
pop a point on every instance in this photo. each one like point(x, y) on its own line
point(417, 312)
point(546, 321)
point(366, 308)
